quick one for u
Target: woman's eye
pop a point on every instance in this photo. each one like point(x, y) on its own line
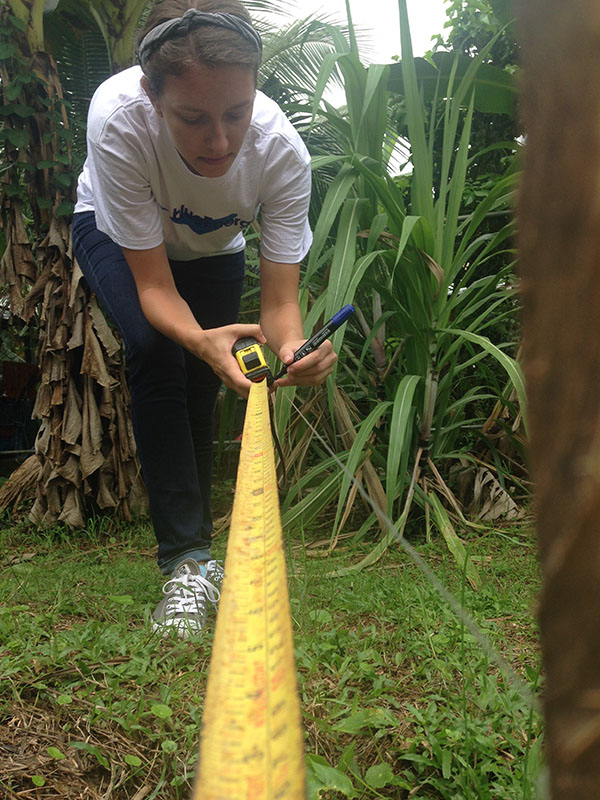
point(238, 116)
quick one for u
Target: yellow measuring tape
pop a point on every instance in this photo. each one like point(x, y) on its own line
point(251, 743)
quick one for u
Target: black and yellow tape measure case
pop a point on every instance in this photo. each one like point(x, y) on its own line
point(251, 359)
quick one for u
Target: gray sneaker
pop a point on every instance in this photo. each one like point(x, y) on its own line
point(187, 595)
point(215, 574)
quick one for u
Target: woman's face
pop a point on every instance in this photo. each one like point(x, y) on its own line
point(208, 111)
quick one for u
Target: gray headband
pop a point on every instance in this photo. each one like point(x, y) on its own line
point(180, 26)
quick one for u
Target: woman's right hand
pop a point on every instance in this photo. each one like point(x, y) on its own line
point(214, 345)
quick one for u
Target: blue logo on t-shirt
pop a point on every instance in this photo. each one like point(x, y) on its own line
point(200, 225)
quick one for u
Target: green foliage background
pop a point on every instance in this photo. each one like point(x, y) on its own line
point(426, 412)
point(428, 392)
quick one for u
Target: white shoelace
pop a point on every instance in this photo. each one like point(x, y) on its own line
point(188, 593)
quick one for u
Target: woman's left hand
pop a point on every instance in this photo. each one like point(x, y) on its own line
point(311, 370)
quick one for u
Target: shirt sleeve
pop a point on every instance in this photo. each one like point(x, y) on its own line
point(285, 233)
point(125, 207)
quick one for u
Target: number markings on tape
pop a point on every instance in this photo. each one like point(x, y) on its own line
point(251, 744)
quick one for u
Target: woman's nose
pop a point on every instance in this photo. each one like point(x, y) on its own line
point(217, 139)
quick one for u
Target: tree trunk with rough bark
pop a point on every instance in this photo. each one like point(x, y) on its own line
point(85, 460)
point(559, 220)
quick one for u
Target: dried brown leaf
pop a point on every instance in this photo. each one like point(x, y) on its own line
point(20, 483)
point(70, 471)
point(57, 367)
point(57, 395)
point(58, 235)
point(72, 420)
point(435, 268)
point(76, 339)
point(52, 493)
point(42, 441)
point(36, 292)
point(106, 407)
point(105, 497)
point(124, 433)
point(59, 339)
point(71, 513)
point(20, 231)
point(105, 334)
point(490, 500)
point(75, 289)
point(20, 559)
point(93, 359)
point(38, 510)
point(91, 444)
point(41, 409)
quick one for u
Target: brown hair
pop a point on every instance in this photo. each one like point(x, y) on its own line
point(211, 45)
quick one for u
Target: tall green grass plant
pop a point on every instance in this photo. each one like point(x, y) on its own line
point(426, 362)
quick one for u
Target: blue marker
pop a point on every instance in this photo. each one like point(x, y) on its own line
point(319, 337)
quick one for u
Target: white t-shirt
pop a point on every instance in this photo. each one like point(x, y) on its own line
point(143, 193)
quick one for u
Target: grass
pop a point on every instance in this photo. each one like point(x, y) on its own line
point(399, 700)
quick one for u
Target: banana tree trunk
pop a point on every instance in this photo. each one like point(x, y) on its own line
point(560, 262)
point(119, 22)
point(85, 458)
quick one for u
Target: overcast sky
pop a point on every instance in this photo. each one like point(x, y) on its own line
point(378, 22)
point(427, 18)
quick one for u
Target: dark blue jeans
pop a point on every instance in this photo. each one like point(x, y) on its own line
point(173, 393)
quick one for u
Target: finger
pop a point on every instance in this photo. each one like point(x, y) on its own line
point(281, 383)
point(312, 376)
point(313, 364)
point(324, 351)
point(241, 331)
point(318, 371)
point(230, 374)
point(286, 355)
point(240, 385)
point(310, 379)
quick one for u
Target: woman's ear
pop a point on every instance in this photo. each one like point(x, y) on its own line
point(153, 99)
